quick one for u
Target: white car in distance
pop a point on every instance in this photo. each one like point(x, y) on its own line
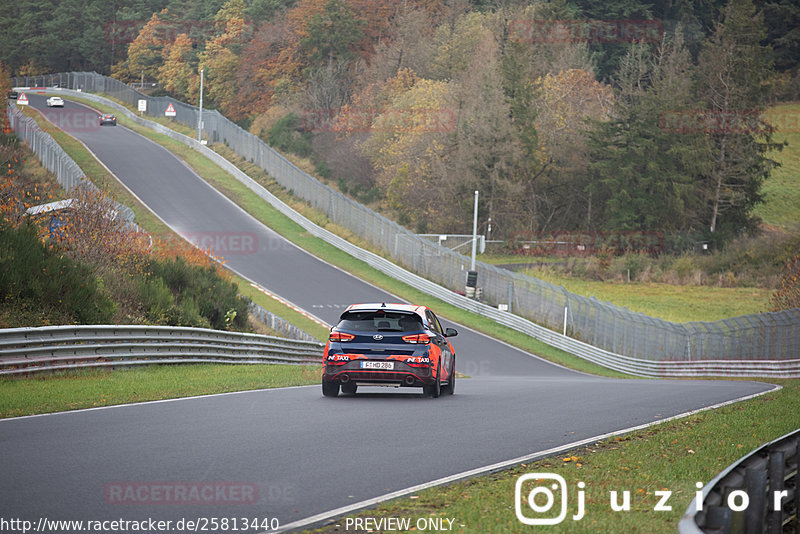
point(55, 102)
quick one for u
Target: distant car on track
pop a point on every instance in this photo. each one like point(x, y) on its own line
point(55, 102)
point(108, 118)
point(379, 344)
point(12, 95)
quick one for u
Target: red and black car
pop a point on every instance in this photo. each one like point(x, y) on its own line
point(381, 344)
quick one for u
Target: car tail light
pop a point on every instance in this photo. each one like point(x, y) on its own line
point(341, 337)
point(418, 338)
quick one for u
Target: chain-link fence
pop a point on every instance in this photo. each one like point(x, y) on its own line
point(767, 336)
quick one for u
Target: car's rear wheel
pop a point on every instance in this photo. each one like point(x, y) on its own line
point(349, 388)
point(330, 389)
point(435, 389)
point(450, 388)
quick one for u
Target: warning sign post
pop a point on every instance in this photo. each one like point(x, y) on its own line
point(170, 112)
point(22, 99)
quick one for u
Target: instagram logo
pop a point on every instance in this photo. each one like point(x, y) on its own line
point(541, 499)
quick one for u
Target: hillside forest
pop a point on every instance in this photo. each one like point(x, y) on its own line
point(565, 114)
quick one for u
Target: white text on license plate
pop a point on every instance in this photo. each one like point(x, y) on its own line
point(378, 365)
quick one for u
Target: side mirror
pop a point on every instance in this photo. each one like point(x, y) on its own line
point(450, 332)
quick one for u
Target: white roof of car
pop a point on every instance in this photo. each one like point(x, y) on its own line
point(387, 306)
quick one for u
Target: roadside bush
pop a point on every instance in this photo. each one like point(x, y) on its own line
point(201, 296)
point(632, 264)
point(35, 276)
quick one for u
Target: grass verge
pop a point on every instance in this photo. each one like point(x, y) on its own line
point(272, 218)
point(671, 456)
point(92, 388)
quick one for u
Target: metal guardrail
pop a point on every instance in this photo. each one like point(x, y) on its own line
point(279, 324)
point(53, 348)
point(696, 366)
point(758, 494)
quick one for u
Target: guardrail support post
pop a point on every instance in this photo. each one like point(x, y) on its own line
point(718, 519)
point(755, 484)
point(797, 485)
point(776, 473)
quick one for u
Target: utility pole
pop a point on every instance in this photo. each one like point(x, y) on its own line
point(474, 233)
point(472, 275)
point(200, 115)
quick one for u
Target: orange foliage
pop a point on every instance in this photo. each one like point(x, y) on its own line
point(93, 233)
point(17, 194)
point(787, 296)
point(175, 247)
point(91, 230)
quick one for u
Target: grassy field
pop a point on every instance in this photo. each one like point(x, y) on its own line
point(93, 388)
point(781, 208)
point(671, 456)
point(677, 303)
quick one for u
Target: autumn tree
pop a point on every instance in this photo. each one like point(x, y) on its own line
point(222, 56)
point(733, 66)
point(332, 34)
point(5, 86)
point(644, 176)
point(178, 74)
point(145, 53)
point(408, 144)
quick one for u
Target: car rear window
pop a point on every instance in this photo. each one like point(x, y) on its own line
point(380, 321)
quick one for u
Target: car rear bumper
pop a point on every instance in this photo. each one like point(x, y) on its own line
point(398, 377)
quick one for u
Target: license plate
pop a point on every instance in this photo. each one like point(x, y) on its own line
point(386, 366)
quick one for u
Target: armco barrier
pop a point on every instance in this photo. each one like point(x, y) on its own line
point(54, 348)
point(767, 480)
point(279, 324)
point(763, 344)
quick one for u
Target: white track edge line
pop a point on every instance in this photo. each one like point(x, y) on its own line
point(338, 512)
point(157, 401)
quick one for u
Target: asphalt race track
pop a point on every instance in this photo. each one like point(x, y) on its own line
point(290, 453)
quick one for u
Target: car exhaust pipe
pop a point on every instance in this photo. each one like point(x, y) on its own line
point(409, 380)
point(344, 379)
